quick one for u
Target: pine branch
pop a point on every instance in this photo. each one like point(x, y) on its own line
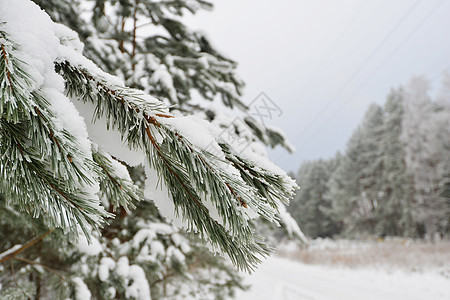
point(114, 187)
point(178, 163)
point(271, 187)
point(192, 174)
point(38, 157)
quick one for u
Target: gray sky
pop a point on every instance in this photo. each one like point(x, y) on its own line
point(324, 61)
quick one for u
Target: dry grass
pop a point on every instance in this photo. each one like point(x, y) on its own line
point(389, 254)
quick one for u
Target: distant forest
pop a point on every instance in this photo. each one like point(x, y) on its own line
point(393, 178)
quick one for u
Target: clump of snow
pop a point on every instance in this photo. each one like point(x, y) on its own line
point(68, 37)
point(92, 248)
point(161, 228)
point(157, 191)
point(184, 246)
point(106, 264)
point(123, 266)
point(34, 31)
point(142, 235)
point(74, 57)
point(84, 269)
point(40, 47)
point(81, 290)
point(110, 140)
point(176, 239)
point(157, 248)
point(111, 292)
point(196, 130)
point(10, 250)
point(139, 289)
point(162, 76)
point(174, 252)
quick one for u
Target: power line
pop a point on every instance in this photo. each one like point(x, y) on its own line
point(319, 68)
point(360, 68)
point(417, 27)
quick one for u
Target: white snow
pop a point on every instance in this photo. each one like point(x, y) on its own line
point(156, 190)
point(176, 239)
point(40, 46)
point(34, 31)
point(106, 264)
point(68, 37)
point(157, 248)
point(93, 248)
point(111, 292)
point(123, 266)
point(10, 250)
point(161, 228)
point(142, 235)
point(198, 131)
point(110, 140)
point(174, 252)
point(81, 290)
point(290, 224)
point(283, 279)
point(139, 289)
point(185, 247)
point(161, 75)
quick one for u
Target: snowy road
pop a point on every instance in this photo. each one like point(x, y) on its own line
point(282, 279)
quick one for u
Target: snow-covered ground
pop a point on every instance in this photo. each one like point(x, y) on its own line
point(284, 279)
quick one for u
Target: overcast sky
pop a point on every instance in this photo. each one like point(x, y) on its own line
point(324, 61)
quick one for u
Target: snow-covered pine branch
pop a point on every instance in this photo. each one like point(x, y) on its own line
point(52, 165)
point(45, 168)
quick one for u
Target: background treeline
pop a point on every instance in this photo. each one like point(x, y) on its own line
point(392, 180)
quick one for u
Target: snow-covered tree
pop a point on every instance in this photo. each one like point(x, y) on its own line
point(69, 173)
point(394, 212)
point(311, 207)
point(393, 178)
point(345, 192)
point(371, 167)
point(442, 149)
point(426, 129)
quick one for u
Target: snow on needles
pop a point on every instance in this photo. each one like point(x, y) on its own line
point(40, 47)
point(137, 284)
point(81, 290)
point(34, 31)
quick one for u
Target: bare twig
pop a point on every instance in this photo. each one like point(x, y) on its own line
point(30, 262)
point(26, 246)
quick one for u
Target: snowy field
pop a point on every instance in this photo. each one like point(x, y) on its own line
point(283, 279)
